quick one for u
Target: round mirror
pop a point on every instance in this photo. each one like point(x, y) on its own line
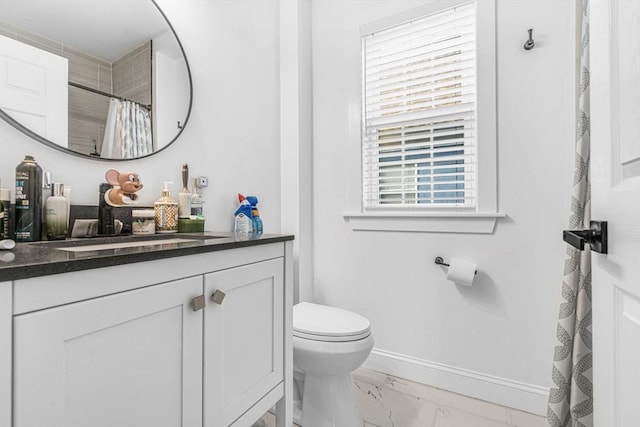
point(101, 79)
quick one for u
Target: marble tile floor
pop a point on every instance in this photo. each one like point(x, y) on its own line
point(386, 401)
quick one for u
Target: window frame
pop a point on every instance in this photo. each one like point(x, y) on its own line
point(482, 217)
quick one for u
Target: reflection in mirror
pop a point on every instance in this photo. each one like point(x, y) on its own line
point(104, 79)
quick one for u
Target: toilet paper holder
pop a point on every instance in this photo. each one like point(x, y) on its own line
point(440, 261)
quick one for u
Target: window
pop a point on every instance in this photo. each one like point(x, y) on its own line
point(427, 131)
point(419, 101)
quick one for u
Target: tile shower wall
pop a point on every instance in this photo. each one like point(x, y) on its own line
point(132, 75)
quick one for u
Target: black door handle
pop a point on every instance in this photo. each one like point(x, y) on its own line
point(596, 237)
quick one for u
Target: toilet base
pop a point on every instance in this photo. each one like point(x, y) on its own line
point(329, 401)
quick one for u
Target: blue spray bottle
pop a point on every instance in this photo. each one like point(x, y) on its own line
point(255, 215)
point(244, 223)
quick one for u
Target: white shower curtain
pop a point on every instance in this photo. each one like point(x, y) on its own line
point(127, 132)
point(571, 397)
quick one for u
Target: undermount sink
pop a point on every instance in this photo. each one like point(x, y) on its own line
point(121, 245)
point(118, 242)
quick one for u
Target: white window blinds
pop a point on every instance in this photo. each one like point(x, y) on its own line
point(419, 140)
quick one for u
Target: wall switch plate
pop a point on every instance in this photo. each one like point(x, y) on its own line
point(202, 181)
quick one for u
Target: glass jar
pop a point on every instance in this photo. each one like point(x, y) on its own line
point(143, 221)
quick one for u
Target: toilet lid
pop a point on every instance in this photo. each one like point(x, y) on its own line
point(324, 323)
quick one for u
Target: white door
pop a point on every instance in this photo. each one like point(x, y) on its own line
point(132, 359)
point(243, 344)
point(615, 160)
point(34, 89)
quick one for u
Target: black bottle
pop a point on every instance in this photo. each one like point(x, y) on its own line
point(106, 225)
point(6, 215)
point(28, 219)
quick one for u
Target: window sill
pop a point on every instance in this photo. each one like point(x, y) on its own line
point(431, 222)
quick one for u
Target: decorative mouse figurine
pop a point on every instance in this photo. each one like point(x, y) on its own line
point(125, 185)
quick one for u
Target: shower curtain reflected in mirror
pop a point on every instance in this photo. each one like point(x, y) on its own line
point(127, 132)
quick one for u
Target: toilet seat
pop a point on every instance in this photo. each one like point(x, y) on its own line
point(329, 324)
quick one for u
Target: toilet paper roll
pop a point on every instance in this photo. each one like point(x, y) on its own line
point(461, 271)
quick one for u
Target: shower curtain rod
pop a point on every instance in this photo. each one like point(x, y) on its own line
point(99, 92)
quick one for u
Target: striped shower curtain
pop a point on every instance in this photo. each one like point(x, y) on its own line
point(571, 397)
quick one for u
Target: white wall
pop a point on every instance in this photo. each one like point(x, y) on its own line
point(233, 133)
point(502, 328)
point(494, 340)
point(170, 88)
point(295, 136)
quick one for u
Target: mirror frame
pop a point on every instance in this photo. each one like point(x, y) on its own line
point(25, 130)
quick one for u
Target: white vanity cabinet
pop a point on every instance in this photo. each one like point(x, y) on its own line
point(244, 339)
point(129, 359)
point(5, 353)
point(145, 345)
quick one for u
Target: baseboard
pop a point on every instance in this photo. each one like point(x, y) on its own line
point(503, 391)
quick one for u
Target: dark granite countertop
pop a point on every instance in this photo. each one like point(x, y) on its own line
point(46, 258)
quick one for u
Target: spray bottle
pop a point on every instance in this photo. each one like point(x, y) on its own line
point(255, 215)
point(244, 223)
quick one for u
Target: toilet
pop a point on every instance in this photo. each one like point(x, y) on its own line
point(328, 344)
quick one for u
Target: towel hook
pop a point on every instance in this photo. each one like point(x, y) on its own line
point(529, 44)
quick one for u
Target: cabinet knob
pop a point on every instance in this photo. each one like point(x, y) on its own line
point(218, 296)
point(198, 303)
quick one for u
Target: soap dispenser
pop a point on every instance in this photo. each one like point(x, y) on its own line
point(166, 212)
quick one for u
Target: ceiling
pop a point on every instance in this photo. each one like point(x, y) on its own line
point(107, 29)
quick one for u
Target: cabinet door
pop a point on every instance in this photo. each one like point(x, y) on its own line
point(132, 359)
point(243, 344)
point(6, 299)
